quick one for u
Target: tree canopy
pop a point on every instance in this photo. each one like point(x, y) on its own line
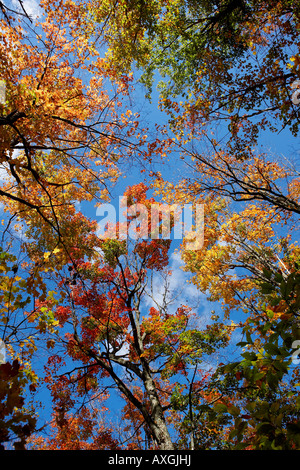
point(140, 339)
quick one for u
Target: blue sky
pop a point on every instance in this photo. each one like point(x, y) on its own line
point(282, 146)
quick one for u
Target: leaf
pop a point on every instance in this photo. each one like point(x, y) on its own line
point(234, 411)
point(220, 408)
point(250, 356)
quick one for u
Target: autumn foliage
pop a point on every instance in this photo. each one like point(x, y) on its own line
point(108, 343)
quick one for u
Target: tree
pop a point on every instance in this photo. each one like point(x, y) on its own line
point(264, 382)
point(62, 134)
point(85, 430)
point(229, 72)
point(249, 264)
point(233, 61)
point(16, 423)
point(110, 334)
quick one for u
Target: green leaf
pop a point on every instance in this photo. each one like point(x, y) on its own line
point(250, 356)
point(220, 408)
point(234, 411)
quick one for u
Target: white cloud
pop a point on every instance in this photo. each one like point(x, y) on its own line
point(175, 289)
point(2, 352)
point(5, 174)
point(77, 205)
point(32, 7)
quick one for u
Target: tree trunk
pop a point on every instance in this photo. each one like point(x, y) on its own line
point(157, 421)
